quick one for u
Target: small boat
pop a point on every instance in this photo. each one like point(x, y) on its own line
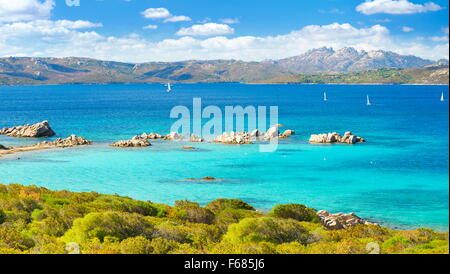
point(368, 101)
point(442, 97)
point(325, 96)
point(169, 88)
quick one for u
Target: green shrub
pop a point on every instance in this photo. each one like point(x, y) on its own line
point(116, 224)
point(266, 229)
point(433, 247)
point(244, 248)
point(163, 246)
point(222, 204)
point(123, 204)
point(35, 220)
point(396, 244)
point(191, 212)
point(2, 216)
point(295, 211)
point(136, 245)
point(230, 216)
point(291, 248)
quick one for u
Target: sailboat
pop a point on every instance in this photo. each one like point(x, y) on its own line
point(169, 88)
point(442, 97)
point(368, 101)
point(325, 96)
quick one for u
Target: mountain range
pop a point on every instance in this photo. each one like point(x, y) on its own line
point(73, 70)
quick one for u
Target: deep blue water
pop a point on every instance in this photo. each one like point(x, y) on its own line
point(399, 177)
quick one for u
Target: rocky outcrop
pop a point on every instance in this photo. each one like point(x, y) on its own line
point(152, 136)
point(340, 220)
point(136, 141)
point(234, 138)
point(41, 129)
point(173, 136)
point(194, 138)
point(333, 137)
point(271, 133)
point(288, 132)
point(2, 147)
point(70, 141)
point(239, 138)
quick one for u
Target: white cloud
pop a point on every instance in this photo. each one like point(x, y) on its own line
point(156, 13)
point(385, 20)
point(229, 21)
point(150, 27)
point(208, 29)
point(178, 18)
point(65, 38)
point(25, 10)
point(439, 38)
point(407, 29)
point(395, 7)
point(445, 30)
point(332, 11)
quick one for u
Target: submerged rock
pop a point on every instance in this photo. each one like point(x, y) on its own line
point(333, 137)
point(41, 129)
point(70, 141)
point(3, 147)
point(207, 178)
point(136, 141)
point(340, 220)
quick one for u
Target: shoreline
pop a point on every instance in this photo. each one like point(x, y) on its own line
point(242, 83)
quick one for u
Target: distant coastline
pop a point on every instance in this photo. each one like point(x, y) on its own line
point(318, 66)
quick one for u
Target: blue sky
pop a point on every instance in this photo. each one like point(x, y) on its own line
point(141, 30)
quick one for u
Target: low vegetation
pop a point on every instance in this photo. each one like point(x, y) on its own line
point(422, 75)
point(35, 220)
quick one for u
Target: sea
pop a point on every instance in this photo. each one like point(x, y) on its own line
point(398, 178)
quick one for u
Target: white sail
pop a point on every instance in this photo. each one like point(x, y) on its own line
point(442, 97)
point(368, 101)
point(169, 88)
point(325, 96)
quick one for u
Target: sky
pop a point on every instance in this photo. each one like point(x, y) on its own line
point(249, 30)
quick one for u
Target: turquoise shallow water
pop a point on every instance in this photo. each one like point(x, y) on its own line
point(398, 178)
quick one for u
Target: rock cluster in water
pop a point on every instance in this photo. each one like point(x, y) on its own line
point(239, 138)
point(333, 137)
point(136, 141)
point(152, 136)
point(70, 141)
point(41, 129)
point(340, 220)
point(225, 138)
